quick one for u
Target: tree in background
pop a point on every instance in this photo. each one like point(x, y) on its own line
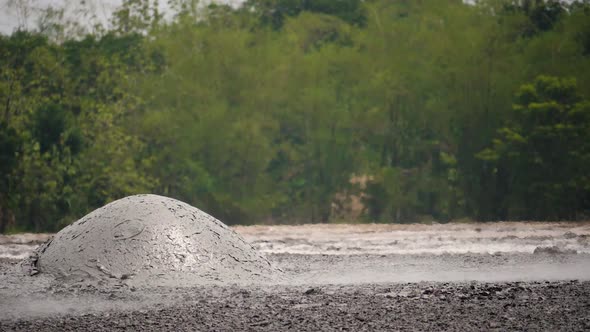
point(271, 110)
point(65, 148)
point(275, 12)
point(543, 151)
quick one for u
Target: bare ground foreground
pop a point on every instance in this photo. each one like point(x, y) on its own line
point(499, 276)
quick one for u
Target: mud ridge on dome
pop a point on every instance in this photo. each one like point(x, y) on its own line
point(151, 240)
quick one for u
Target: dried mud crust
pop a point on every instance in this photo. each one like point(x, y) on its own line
point(549, 306)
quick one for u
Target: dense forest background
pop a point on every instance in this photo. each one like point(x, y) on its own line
point(301, 111)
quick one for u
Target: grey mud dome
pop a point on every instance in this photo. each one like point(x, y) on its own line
point(150, 240)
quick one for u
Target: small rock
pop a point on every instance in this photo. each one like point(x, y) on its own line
point(554, 250)
point(311, 291)
point(494, 325)
point(570, 235)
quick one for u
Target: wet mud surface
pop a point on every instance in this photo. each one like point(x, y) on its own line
point(549, 306)
point(328, 289)
point(412, 239)
point(310, 301)
point(150, 239)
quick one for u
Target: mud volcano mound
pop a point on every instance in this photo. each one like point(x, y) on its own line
point(150, 238)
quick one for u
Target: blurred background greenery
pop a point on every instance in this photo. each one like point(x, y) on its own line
point(290, 111)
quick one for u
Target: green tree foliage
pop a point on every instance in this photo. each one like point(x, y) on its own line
point(542, 153)
point(271, 110)
point(63, 144)
point(275, 12)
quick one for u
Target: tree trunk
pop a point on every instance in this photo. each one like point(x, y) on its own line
point(3, 220)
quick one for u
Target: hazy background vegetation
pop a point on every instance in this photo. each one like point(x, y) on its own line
point(301, 111)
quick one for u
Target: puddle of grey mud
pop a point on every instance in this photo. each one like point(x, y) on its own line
point(326, 293)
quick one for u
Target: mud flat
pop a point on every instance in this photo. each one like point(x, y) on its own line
point(341, 277)
point(558, 305)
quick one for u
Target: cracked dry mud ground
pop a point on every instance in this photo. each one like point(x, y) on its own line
point(308, 304)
